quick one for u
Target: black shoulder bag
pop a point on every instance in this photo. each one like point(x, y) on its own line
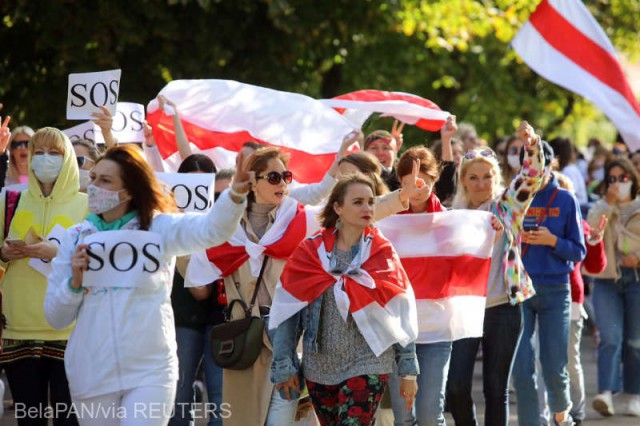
point(236, 344)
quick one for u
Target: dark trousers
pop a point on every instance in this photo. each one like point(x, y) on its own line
point(40, 390)
point(502, 329)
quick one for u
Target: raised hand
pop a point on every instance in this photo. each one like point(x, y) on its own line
point(5, 133)
point(415, 186)
point(241, 183)
point(396, 132)
point(350, 139)
point(162, 101)
point(149, 140)
point(527, 134)
point(449, 129)
point(104, 120)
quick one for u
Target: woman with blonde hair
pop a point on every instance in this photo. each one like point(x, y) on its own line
point(33, 351)
point(480, 187)
point(18, 170)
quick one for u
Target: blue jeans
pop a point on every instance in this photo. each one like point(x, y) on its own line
point(617, 307)
point(551, 306)
point(281, 411)
point(502, 328)
point(192, 345)
point(428, 409)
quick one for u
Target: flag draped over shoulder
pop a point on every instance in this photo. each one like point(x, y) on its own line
point(447, 257)
point(220, 115)
point(563, 43)
point(411, 109)
point(292, 224)
point(374, 290)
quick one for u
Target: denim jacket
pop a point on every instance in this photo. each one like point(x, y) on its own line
point(286, 336)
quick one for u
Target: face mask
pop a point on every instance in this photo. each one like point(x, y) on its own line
point(598, 174)
point(624, 190)
point(85, 179)
point(513, 161)
point(46, 167)
point(102, 200)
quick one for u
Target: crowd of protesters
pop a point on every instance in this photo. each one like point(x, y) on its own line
point(566, 252)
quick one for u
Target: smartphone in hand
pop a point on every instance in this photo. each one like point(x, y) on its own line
point(531, 227)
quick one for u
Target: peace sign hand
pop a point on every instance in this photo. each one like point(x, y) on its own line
point(396, 132)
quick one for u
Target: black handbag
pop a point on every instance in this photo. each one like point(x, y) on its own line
point(236, 344)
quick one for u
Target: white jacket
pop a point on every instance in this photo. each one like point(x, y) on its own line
point(125, 337)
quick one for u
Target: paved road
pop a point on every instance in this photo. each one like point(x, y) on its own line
point(593, 418)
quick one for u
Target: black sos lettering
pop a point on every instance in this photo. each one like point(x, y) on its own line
point(100, 94)
point(199, 195)
point(124, 257)
point(133, 122)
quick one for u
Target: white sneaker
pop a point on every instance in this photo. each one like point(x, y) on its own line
point(603, 404)
point(634, 406)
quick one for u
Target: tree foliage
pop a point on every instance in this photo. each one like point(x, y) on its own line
point(454, 52)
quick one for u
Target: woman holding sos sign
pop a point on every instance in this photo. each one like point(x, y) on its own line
point(113, 277)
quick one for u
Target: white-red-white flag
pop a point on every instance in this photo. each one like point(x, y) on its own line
point(447, 257)
point(220, 115)
point(411, 109)
point(564, 43)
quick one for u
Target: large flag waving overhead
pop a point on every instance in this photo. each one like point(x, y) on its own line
point(447, 257)
point(220, 115)
point(408, 108)
point(563, 43)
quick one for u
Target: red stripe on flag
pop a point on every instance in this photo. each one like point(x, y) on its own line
point(306, 167)
point(590, 56)
point(370, 95)
point(438, 277)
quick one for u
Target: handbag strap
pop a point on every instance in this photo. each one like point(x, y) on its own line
point(255, 291)
point(247, 309)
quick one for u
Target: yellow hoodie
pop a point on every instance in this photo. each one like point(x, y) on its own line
point(23, 287)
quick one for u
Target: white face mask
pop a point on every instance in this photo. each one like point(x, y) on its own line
point(513, 161)
point(46, 167)
point(624, 190)
point(85, 179)
point(102, 200)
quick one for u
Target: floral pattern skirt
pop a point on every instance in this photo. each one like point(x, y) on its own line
point(352, 402)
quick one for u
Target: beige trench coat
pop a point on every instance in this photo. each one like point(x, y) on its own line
point(248, 392)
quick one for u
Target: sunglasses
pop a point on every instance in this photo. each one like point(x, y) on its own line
point(19, 144)
point(614, 179)
point(82, 160)
point(275, 178)
point(484, 153)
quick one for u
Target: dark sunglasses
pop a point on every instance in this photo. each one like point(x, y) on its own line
point(19, 144)
point(275, 178)
point(484, 153)
point(82, 160)
point(621, 179)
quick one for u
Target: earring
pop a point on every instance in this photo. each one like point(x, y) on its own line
point(338, 224)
